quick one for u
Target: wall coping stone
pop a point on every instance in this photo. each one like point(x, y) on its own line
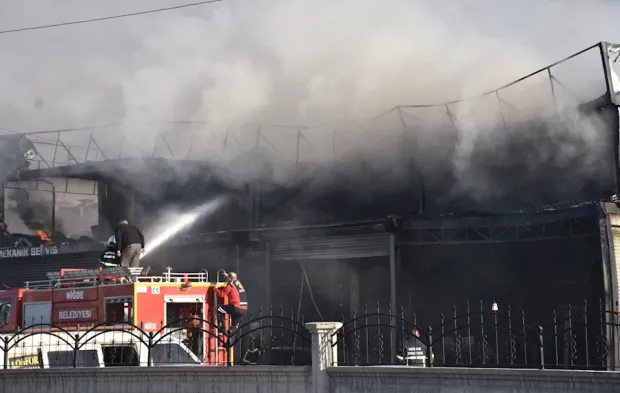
point(475, 376)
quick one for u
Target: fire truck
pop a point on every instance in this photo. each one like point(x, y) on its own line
point(180, 307)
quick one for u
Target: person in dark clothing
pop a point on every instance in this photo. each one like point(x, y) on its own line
point(130, 241)
point(237, 301)
point(414, 351)
point(194, 333)
point(109, 257)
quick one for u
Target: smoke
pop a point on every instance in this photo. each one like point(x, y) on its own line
point(311, 63)
point(34, 214)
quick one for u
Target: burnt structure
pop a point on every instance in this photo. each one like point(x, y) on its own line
point(522, 223)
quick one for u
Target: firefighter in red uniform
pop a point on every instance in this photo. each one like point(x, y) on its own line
point(237, 301)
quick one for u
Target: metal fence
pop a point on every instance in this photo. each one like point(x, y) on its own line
point(484, 335)
point(267, 338)
point(476, 335)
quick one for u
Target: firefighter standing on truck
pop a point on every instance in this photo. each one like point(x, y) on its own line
point(130, 242)
point(108, 257)
point(237, 301)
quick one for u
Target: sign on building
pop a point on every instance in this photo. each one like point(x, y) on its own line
point(24, 252)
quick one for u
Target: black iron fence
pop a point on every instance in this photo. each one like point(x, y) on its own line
point(484, 335)
point(265, 338)
point(476, 335)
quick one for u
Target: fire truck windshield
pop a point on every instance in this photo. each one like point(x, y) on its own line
point(85, 358)
point(166, 354)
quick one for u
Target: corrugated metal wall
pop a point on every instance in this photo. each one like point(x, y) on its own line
point(14, 272)
point(194, 257)
point(323, 294)
point(253, 275)
point(264, 269)
point(332, 247)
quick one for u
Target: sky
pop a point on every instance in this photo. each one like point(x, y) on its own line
point(293, 61)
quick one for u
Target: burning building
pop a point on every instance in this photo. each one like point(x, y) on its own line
point(520, 209)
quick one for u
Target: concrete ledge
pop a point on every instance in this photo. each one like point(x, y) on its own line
point(158, 379)
point(233, 372)
point(401, 379)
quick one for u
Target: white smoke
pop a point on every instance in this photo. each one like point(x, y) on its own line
point(277, 61)
point(282, 60)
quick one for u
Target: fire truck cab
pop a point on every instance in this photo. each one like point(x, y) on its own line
point(174, 307)
point(99, 349)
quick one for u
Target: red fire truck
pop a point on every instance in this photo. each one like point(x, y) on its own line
point(182, 305)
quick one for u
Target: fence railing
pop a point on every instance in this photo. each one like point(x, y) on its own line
point(477, 335)
point(265, 338)
point(484, 335)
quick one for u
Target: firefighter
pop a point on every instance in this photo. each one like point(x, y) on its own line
point(130, 243)
point(109, 257)
point(192, 338)
point(252, 355)
point(414, 352)
point(237, 301)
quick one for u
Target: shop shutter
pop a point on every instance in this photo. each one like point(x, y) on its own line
point(332, 247)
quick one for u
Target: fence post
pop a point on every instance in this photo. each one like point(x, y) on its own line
point(429, 348)
point(75, 349)
point(148, 350)
point(229, 349)
point(541, 348)
point(324, 352)
point(5, 348)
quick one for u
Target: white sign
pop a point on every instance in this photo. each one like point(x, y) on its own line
point(155, 290)
point(75, 295)
point(28, 252)
point(74, 314)
point(613, 54)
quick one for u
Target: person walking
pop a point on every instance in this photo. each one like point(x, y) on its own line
point(130, 242)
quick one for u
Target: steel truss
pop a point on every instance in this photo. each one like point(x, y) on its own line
point(571, 228)
point(298, 144)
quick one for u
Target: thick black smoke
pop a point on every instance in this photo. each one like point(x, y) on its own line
point(299, 62)
point(35, 215)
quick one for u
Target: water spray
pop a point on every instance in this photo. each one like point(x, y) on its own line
point(184, 221)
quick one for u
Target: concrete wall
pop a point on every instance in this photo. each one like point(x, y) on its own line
point(273, 379)
point(451, 380)
point(269, 379)
point(320, 378)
